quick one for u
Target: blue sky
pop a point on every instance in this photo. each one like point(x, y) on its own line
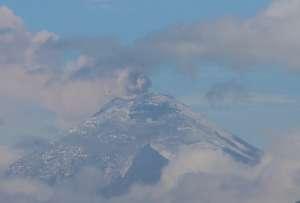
point(272, 95)
point(126, 19)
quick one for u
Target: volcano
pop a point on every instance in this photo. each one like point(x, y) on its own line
point(130, 140)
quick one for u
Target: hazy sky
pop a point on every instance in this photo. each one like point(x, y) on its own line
point(236, 62)
point(228, 59)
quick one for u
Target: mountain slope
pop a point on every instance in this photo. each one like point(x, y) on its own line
point(124, 136)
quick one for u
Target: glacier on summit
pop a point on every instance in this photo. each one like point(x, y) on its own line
point(130, 140)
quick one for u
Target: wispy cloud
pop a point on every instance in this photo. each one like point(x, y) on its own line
point(33, 67)
point(234, 92)
point(270, 37)
point(230, 100)
point(227, 92)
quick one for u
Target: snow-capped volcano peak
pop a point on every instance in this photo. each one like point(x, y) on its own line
point(124, 134)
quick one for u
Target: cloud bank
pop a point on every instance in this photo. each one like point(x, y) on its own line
point(195, 175)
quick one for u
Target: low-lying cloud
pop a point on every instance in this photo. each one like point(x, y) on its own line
point(195, 175)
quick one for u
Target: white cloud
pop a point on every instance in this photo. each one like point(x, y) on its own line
point(13, 187)
point(270, 37)
point(34, 69)
point(211, 177)
point(193, 176)
point(8, 20)
point(33, 65)
point(195, 160)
